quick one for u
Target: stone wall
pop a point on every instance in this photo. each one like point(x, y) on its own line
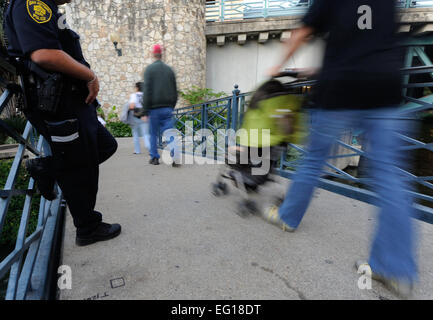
point(178, 25)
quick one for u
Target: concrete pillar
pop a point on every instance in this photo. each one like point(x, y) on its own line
point(221, 40)
point(263, 37)
point(285, 35)
point(242, 38)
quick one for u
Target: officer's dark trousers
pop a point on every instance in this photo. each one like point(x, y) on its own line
point(80, 185)
point(76, 166)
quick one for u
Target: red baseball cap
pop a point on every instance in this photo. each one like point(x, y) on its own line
point(157, 49)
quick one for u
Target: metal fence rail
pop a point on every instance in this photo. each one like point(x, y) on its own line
point(28, 264)
point(223, 10)
point(230, 110)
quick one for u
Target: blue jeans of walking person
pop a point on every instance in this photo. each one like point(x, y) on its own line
point(140, 129)
point(392, 250)
point(161, 120)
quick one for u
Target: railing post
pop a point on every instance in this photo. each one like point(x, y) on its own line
point(241, 109)
point(203, 126)
point(265, 9)
point(229, 113)
point(235, 108)
point(222, 10)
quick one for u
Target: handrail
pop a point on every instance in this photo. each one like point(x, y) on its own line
point(28, 263)
point(223, 10)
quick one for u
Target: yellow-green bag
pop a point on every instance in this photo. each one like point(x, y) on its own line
point(277, 114)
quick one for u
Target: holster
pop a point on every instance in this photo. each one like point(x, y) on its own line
point(49, 90)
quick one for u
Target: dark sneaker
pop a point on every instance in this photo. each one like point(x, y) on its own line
point(103, 232)
point(40, 169)
point(154, 161)
point(175, 165)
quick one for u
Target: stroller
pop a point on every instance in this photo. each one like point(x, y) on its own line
point(273, 107)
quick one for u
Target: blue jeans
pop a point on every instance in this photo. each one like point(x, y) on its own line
point(140, 129)
point(392, 251)
point(161, 120)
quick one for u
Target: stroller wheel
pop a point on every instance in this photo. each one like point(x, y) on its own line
point(246, 208)
point(219, 189)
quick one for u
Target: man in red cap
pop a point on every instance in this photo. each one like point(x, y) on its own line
point(159, 99)
point(157, 49)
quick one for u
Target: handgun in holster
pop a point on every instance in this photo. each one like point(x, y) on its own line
point(43, 90)
point(49, 89)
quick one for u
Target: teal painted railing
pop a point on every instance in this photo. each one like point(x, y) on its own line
point(28, 266)
point(223, 10)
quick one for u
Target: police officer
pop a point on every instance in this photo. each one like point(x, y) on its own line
point(38, 36)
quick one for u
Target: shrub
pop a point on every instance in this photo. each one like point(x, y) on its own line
point(17, 123)
point(112, 115)
point(198, 95)
point(13, 217)
point(100, 113)
point(119, 129)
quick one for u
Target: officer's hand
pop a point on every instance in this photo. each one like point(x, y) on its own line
point(93, 87)
point(145, 118)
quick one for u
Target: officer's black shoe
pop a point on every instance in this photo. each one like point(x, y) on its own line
point(40, 169)
point(103, 232)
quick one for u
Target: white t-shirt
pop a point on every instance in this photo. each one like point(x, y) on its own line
point(136, 99)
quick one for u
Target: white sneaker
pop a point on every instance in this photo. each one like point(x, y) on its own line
point(272, 216)
point(400, 287)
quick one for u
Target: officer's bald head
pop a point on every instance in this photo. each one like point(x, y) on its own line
point(60, 2)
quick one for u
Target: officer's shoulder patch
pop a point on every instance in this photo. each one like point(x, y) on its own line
point(39, 11)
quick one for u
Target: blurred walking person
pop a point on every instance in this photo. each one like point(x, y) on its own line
point(159, 100)
point(139, 127)
point(359, 86)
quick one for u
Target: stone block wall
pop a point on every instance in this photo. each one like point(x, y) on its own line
point(178, 25)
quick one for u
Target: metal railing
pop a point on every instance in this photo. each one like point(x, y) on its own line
point(227, 113)
point(224, 10)
point(29, 263)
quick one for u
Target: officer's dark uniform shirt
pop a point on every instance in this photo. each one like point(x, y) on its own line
point(35, 24)
point(361, 64)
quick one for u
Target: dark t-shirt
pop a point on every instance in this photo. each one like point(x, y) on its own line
point(362, 61)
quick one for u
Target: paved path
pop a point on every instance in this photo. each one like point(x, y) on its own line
point(181, 242)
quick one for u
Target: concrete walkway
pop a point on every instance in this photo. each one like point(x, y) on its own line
point(181, 242)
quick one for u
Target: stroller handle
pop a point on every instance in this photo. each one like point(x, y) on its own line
point(294, 73)
point(298, 73)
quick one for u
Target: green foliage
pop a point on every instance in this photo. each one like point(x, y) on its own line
point(17, 123)
point(3, 6)
point(213, 120)
point(100, 112)
point(293, 155)
point(112, 115)
point(119, 129)
point(198, 95)
point(13, 217)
